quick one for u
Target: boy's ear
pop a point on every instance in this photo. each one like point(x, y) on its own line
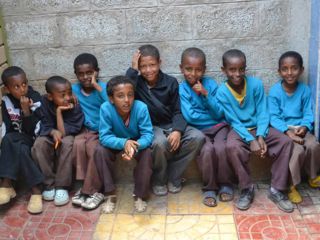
point(223, 69)
point(302, 70)
point(5, 89)
point(111, 99)
point(180, 66)
point(49, 97)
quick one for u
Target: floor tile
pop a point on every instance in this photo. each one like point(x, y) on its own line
point(200, 227)
point(270, 227)
point(132, 227)
point(189, 201)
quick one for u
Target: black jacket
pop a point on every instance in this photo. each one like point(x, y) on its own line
point(163, 100)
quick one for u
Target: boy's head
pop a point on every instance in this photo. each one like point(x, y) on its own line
point(120, 90)
point(84, 67)
point(59, 91)
point(234, 66)
point(290, 67)
point(193, 65)
point(15, 81)
point(149, 63)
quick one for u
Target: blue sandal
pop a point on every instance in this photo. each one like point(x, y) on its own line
point(226, 193)
point(209, 195)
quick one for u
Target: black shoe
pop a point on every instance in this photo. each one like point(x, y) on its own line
point(281, 200)
point(245, 199)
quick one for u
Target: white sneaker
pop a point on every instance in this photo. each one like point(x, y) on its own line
point(160, 190)
point(174, 189)
point(78, 198)
point(93, 201)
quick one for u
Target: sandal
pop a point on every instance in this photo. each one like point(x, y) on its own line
point(294, 196)
point(109, 205)
point(315, 182)
point(140, 205)
point(209, 198)
point(226, 193)
point(35, 204)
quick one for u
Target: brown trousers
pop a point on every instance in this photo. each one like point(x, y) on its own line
point(56, 165)
point(279, 151)
point(212, 161)
point(105, 162)
point(83, 159)
point(305, 157)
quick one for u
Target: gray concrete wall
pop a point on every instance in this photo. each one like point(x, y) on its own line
point(45, 36)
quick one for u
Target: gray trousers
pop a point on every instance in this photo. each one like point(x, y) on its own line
point(169, 166)
point(305, 157)
point(56, 165)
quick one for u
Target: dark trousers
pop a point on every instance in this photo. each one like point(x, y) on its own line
point(212, 161)
point(56, 165)
point(279, 151)
point(105, 162)
point(16, 159)
point(83, 159)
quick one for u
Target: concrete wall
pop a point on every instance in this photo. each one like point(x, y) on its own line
point(45, 36)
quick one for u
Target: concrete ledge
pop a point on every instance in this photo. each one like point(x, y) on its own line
point(260, 170)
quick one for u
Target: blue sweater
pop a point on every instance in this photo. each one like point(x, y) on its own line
point(113, 133)
point(91, 104)
point(288, 110)
point(200, 111)
point(253, 112)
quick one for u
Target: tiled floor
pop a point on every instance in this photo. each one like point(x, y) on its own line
point(179, 216)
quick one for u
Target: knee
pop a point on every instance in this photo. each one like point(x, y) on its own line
point(159, 144)
point(314, 146)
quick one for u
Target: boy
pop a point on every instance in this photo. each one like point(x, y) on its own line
point(245, 107)
point(201, 110)
point(20, 113)
point(291, 113)
point(175, 144)
point(90, 93)
point(125, 127)
point(61, 119)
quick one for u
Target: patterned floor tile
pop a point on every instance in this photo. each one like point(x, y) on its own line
point(271, 227)
point(64, 222)
point(142, 227)
point(189, 201)
point(200, 227)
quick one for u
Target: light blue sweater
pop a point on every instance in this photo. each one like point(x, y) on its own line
point(113, 133)
point(288, 110)
point(91, 104)
point(253, 112)
point(200, 111)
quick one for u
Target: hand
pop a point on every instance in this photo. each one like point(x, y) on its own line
point(57, 136)
point(199, 89)
point(174, 140)
point(26, 103)
point(130, 148)
point(291, 134)
point(255, 147)
point(263, 147)
point(94, 81)
point(135, 60)
point(65, 108)
point(301, 131)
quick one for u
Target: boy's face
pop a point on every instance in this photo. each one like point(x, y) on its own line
point(235, 70)
point(17, 86)
point(61, 95)
point(149, 68)
point(290, 70)
point(192, 69)
point(122, 98)
point(84, 73)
